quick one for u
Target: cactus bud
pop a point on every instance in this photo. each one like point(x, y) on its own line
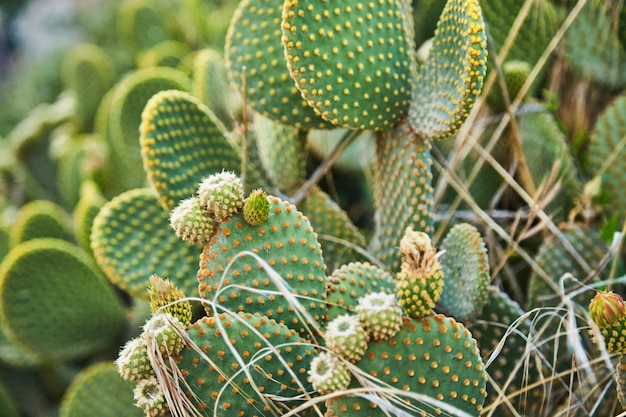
point(164, 294)
point(607, 308)
point(346, 337)
point(160, 330)
point(380, 314)
point(191, 223)
point(328, 373)
point(221, 195)
point(256, 209)
point(419, 283)
point(149, 397)
point(133, 363)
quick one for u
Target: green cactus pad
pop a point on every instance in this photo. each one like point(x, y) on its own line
point(607, 156)
point(515, 74)
point(88, 71)
point(466, 272)
point(210, 84)
point(339, 237)
point(55, 301)
point(254, 41)
point(132, 239)
point(142, 24)
point(594, 47)
point(347, 284)
point(451, 79)
point(40, 218)
point(169, 53)
point(87, 208)
point(546, 146)
point(287, 242)
point(99, 391)
point(283, 153)
point(260, 343)
point(127, 104)
point(402, 191)
point(556, 261)
point(534, 34)
point(352, 62)
point(182, 141)
point(434, 356)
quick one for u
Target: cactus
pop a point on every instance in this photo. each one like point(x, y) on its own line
point(606, 156)
point(99, 391)
point(437, 358)
point(40, 219)
point(255, 23)
point(116, 230)
point(280, 295)
point(465, 268)
point(57, 317)
point(598, 24)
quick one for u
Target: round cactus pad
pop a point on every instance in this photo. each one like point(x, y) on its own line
point(182, 142)
point(238, 364)
point(451, 79)
point(54, 301)
point(253, 41)
point(353, 61)
point(435, 357)
point(287, 243)
point(132, 239)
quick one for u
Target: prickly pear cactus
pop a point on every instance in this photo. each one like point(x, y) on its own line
point(434, 357)
point(172, 120)
point(233, 276)
point(466, 271)
point(244, 364)
point(132, 239)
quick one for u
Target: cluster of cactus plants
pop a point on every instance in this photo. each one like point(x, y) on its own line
point(173, 249)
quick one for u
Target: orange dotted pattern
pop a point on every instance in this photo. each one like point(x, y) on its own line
point(434, 356)
point(287, 243)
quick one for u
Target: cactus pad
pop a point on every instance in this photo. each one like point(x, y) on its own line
point(347, 284)
point(40, 219)
point(339, 237)
point(402, 191)
point(287, 243)
point(353, 62)
point(434, 356)
point(451, 79)
point(235, 367)
point(607, 156)
point(181, 142)
point(254, 41)
point(131, 240)
point(466, 272)
point(54, 301)
point(98, 391)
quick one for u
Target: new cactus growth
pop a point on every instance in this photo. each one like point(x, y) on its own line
point(420, 281)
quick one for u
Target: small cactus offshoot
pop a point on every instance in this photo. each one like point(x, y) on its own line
point(380, 314)
point(256, 208)
point(346, 337)
point(328, 373)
